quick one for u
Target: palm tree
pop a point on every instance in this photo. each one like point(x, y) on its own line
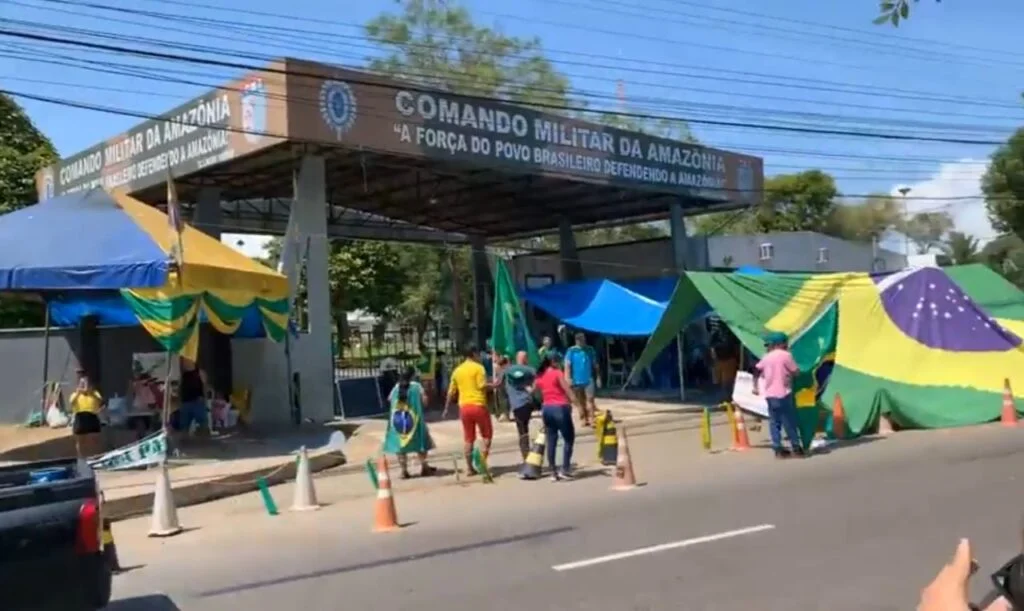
point(961, 248)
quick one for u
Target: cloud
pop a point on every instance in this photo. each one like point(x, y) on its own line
point(959, 179)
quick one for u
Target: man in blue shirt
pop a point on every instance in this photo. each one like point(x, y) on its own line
point(582, 372)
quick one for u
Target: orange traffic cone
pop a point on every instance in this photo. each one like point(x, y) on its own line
point(1009, 415)
point(625, 479)
point(838, 418)
point(385, 517)
point(741, 441)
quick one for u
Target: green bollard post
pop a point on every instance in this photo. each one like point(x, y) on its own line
point(268, 500)
point(371, 471)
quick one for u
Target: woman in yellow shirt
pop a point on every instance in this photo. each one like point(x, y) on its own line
point(86, 403)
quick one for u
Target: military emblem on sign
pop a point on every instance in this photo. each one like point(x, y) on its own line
point(254, 110)
point(337, 106)
point(745, 180)
point(46, 188)
point(404, 423)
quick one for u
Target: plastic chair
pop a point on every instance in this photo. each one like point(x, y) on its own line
point(617, 373)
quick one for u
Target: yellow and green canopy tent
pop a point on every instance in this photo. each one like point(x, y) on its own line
point(85, 247)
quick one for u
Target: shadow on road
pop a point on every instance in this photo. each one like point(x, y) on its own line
point(444, 551)
point(151, 602)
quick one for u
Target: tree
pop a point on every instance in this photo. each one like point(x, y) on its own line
point(894, 11)
point(1005, 255)
point(437, 44)
point(662, 128)
point(864, 222)
point(927, 230)
point(600, 236)
point(805, 201)
point(961, 248)
point(363, 275)
point(23, 151)
point(1003, 186)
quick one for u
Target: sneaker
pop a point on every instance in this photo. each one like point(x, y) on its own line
point(566, 475)
point(782, 453)
point(555, 477)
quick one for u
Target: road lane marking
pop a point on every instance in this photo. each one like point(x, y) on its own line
point(664, 547)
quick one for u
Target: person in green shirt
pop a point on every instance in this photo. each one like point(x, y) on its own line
point(518, 379)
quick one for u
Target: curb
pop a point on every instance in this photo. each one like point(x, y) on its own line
point(323, 465)
point(223, 487)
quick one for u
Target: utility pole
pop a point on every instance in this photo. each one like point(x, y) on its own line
point(906, 218)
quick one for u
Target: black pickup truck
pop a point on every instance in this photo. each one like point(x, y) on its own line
point(51, 542)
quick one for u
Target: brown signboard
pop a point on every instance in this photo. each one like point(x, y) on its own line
point(242, 117)
point(357, 110)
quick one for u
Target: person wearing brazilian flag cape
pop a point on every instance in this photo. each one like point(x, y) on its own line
point(407, 432)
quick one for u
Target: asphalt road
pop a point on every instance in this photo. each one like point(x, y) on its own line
point(863, 527)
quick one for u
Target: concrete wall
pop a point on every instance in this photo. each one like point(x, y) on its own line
point(645, 259)
point(794, 252)
point(258, 364)
point(800, 251)
point(21, 355)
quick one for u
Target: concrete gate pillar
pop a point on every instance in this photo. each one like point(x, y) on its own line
point(309, 218)
point(677, 231)
point(483, 290)
point(572, 268)
point(214, 347)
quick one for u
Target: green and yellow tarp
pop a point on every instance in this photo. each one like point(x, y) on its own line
point(86, 248)
point(920, 346)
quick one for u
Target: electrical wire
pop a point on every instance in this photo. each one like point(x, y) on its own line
point(486, 99)
point(281, 33)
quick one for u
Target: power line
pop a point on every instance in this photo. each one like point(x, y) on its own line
point(485, 99)
point(276, 31)
point(146, 116)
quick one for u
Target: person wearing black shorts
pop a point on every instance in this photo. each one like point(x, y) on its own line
point(86, 404)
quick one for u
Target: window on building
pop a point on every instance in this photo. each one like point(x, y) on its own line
point(822, 255)
point(767, 251)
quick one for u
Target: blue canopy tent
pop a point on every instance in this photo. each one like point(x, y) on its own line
point(81, 250)
point(107, 255)
point(598, 306)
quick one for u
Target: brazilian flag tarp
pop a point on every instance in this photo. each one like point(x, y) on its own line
point(928, 347)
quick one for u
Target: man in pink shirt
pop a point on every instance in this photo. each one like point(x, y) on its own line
point(777, 369)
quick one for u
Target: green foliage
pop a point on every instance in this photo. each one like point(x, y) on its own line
point(1003, 186)
point(662, 128)
point(894, 11)
point(805, 201)
point(961, 248)
point(23, 151)
point(436, 43)
point(865, 221)
point(600, 236)
point(1005, 255)
point(927, 230)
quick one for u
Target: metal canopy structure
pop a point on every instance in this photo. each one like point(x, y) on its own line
point(414, 160)
point(327, 152)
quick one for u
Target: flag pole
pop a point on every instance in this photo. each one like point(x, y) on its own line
point(175, 225)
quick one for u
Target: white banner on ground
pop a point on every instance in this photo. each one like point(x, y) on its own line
point(743, 395)
point(150, 450)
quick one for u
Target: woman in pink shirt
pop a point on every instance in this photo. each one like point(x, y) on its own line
point(775, 373)
point(556, 410)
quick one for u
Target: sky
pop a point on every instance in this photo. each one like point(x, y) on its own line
point(952, 72)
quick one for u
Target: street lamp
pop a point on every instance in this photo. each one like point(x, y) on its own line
point(906, 239)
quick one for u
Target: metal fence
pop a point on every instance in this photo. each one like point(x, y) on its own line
point(362, 352)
